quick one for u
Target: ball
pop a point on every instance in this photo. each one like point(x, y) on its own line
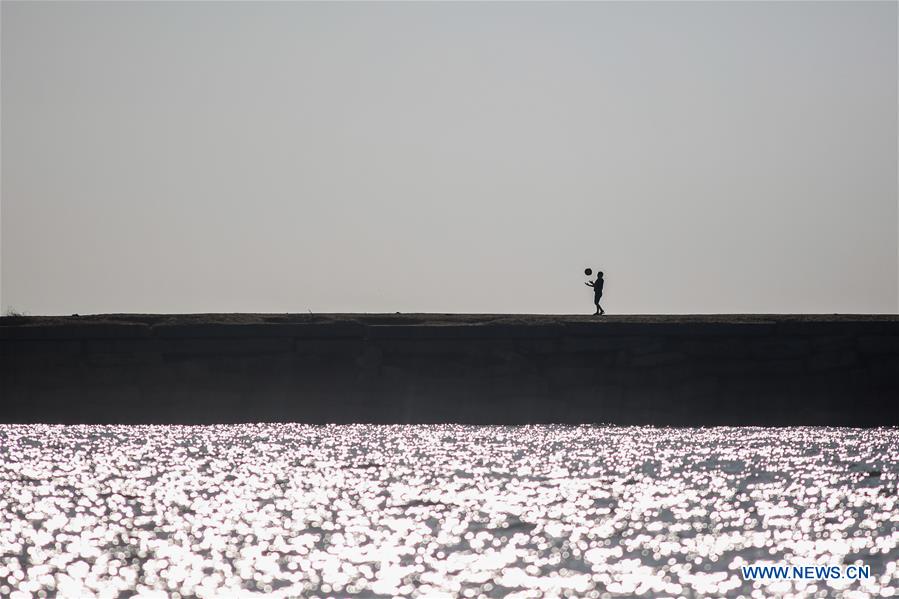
point(588, 271)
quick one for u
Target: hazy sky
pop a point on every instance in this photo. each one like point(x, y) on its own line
point(449, 157)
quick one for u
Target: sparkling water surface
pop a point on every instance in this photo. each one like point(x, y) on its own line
point(539, 511)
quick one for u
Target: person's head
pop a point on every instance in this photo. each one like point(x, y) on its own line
point(599, 275)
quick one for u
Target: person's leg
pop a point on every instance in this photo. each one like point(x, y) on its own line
point(597, 309)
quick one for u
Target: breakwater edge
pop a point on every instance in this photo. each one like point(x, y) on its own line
point(683, 370)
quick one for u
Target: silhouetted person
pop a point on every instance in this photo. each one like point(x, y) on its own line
point(597, 292)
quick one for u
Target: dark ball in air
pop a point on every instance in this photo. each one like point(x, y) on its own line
point(588, 271)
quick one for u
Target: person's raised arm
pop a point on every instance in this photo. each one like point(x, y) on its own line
point(588, 284)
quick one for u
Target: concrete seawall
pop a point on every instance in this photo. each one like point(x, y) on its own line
point(503, 369)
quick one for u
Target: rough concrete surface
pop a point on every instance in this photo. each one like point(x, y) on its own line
point(840, 370)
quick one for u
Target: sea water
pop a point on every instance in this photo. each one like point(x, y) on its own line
point(459, 511)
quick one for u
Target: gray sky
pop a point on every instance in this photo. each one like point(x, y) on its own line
point(449, 157)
